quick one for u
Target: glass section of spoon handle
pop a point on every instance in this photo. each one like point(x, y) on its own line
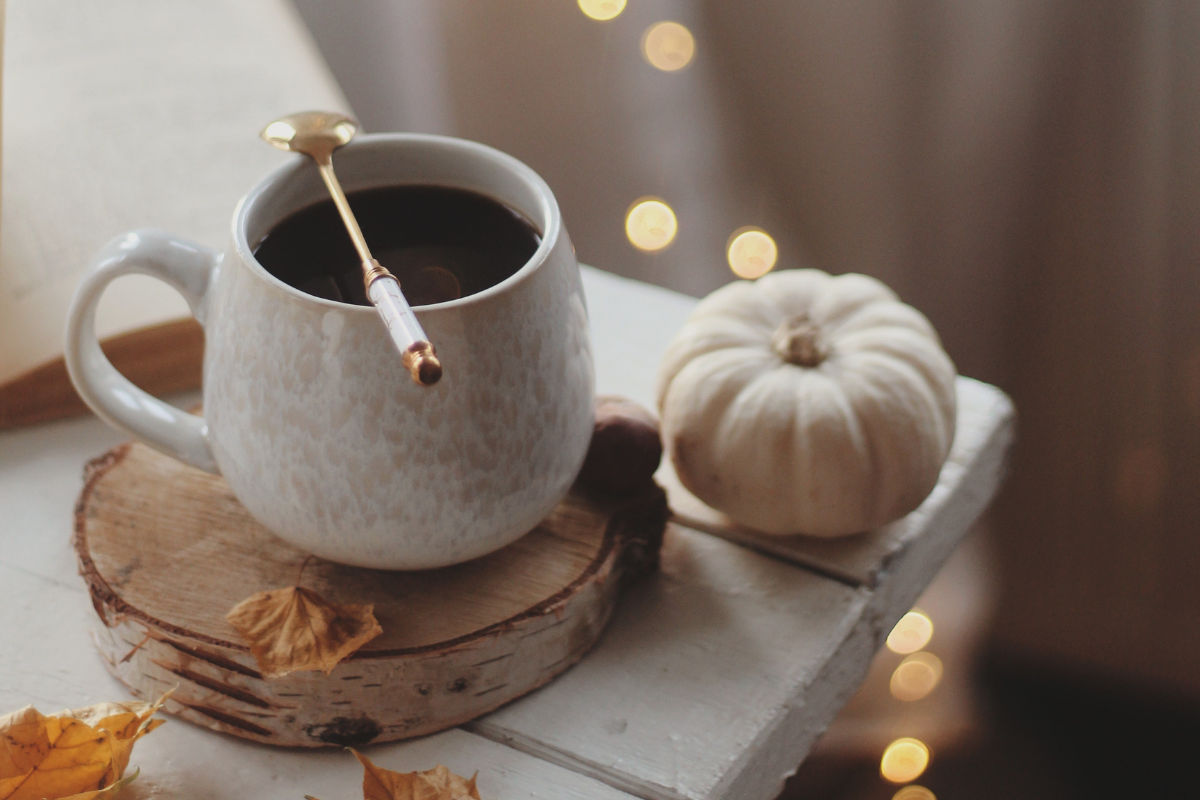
point(415, 349)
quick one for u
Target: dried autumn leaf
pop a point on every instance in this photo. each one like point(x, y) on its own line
point(77, 755)
point(107, 792)
point(438, 783)
point(296, 629)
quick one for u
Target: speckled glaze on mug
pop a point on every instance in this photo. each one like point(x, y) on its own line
point(308, 412)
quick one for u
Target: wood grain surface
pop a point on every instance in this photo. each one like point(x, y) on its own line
point(166, 551)
point(161, 359)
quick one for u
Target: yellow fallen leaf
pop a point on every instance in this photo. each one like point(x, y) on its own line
point(296, 629)
point(107, 792)
point(77, 755)
point(438, 783)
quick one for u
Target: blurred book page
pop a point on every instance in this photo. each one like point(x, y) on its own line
point(128, 114)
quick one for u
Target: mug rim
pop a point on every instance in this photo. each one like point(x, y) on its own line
point(521, 170)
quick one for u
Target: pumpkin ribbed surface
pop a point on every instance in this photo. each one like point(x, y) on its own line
point(807, 403)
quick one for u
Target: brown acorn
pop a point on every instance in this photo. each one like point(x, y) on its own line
point(625, 450)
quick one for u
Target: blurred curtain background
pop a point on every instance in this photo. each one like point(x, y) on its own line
point(1026, 173)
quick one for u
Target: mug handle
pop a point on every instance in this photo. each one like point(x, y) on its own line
point(188, 268)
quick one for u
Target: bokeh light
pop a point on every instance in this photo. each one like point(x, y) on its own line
point(650, 224)
point(912, 633)
point(602, 9)
point(916, 676)
point(914, 792)
point(904, 760)
point(751, 252)
point(668, 46)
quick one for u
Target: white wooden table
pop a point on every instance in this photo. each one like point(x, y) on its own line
point(714, 679)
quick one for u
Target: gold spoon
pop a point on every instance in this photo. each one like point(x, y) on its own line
point(317, 134)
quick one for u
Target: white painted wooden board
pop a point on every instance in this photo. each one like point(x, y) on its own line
point(41, 473)
point(717, 675)
point(926, 539)
point(697, 667)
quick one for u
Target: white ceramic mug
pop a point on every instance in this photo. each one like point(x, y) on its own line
point(308, 412)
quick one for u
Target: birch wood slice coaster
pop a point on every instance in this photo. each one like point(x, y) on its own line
point(167, 551)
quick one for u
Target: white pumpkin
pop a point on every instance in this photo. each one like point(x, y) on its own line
point(807, 403)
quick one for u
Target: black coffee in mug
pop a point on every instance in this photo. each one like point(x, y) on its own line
point(440, 243)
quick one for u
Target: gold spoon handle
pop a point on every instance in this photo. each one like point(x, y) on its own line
point(383, 290)
point(325, 165)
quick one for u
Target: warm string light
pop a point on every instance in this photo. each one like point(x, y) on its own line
point(668, 46)
point(602, 9)
point(916, 676)
point(751, 252)
point(912, 633)
point(650, 224)
point(904, 760)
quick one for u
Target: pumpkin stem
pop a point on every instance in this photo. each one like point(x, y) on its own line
point(798, 341)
